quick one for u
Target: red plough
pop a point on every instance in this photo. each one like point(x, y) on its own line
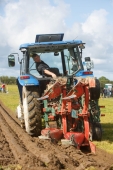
point(72, 111)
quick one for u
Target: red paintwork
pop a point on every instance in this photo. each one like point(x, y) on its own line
point(55, 90)
point(52, 133)
point(77, 137)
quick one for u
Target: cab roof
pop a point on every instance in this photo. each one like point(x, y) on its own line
point(44, 40)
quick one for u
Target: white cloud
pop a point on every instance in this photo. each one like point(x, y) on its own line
point(101, 48)
point(25, 21)
point(97, 19)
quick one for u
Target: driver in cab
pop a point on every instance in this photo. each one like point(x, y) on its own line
point(42, 67)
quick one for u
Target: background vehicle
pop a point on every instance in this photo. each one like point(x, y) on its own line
point(108, 86)
point(65, 108)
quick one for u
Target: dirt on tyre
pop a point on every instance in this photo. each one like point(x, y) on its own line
point(31, 110)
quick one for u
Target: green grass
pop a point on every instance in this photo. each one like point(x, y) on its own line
point(107, 125)
point(11, 100)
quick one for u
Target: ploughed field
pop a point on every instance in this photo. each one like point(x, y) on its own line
point(18, 150)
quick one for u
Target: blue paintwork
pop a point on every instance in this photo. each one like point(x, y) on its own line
point(32, 81)
point(28, 82)
point(27, 45)
point(80, 74)
point(19, 88)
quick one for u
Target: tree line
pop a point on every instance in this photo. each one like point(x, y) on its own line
point(7, 80)
point(103, 80)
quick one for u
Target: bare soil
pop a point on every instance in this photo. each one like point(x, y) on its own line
point(18, 150)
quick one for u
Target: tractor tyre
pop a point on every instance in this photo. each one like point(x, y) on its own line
point(97, 131)
point(31, 110)
point(95, 92)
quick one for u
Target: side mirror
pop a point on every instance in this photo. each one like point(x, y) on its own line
point(87, 59)
point(88, 63)
point(11, 60)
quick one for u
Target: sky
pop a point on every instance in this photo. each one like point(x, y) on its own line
point(86, 20)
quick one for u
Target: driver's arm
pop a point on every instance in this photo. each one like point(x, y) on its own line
point(49, 73)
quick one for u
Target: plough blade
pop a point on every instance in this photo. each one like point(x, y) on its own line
point(76, 138)
point(92, 147)
point(52, 133)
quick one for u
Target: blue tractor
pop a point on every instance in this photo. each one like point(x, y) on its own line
point(62, 108)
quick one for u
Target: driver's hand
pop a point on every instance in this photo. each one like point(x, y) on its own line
point(53, 75)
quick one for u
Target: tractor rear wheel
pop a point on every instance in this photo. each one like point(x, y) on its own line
point(31, 110)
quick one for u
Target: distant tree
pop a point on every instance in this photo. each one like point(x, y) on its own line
point(103, 80)
point(7, 80)
point(111, 82)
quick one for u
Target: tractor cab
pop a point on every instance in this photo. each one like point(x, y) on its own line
point(64, 55)
point(64, 59)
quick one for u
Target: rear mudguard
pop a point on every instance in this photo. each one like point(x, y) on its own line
point(31, 81)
